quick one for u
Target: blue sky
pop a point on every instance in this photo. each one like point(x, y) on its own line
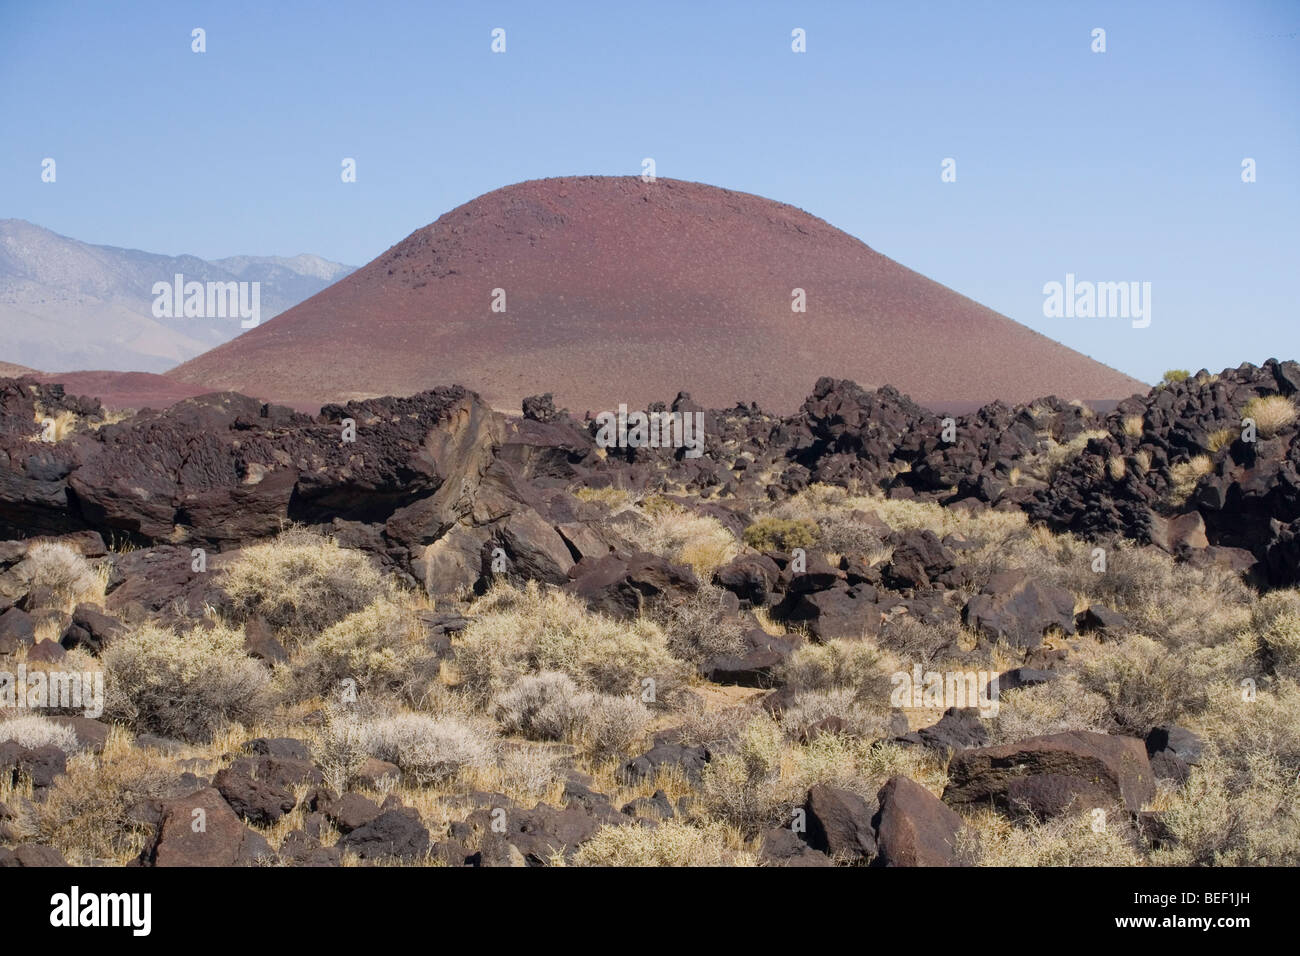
point(1115, 166)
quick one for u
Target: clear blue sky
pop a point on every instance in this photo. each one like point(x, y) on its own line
point(1116, 166)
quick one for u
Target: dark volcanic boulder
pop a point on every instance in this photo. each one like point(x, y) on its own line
point(621, 586)
point(913, 827)
point(1015, 608)
point(202, 830)
point(90, 628)
point(1055, 774)
point(958, 729)
point(918, 559)
point(751, 577)
point(839, 823)
point(781, 847)
point(396, 834)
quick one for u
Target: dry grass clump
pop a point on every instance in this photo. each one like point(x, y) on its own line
point(1220, 439)
point(32, 731)
point(301, 583)
point(1272, 414)
point(782, 534)
point(611, 497)
point(61, 570)
point(381, 648)
point(549, 706)
point(682, 536)
point(1176, 603)
point(1144, 685)
point(429, 749)
point(89, 814)
point(524, 631)
point(1052, 708)
point(759, 781)
point(669, 844)
point(1068, 840)
point(701, 627)
point(858, 666)
point(1058, 455)
point(1185, 474)
point(56, 426)
point(1225, 815)
point(745, 787)
point(183, 685)
point(1275, 624)
point(1133, 425)
point(862, 715)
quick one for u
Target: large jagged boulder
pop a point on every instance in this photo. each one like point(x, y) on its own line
point(1054, 774)
point(202, 830)
point(1016, 608)
point(623, 585)
point(914, 827)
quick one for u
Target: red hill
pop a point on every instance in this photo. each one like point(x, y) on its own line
point(622, 291)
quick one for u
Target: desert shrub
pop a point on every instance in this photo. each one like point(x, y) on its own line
point(1174, 376)
point(340, 747)
point(858, 666)
point(847, 536)
point(1268, 725)
point(32, 731)
point(514, 632)
point(429, 749)
point(1144, 685)
point(1247, 815)
point(608, 724)
point(92, 814)
point(867, 719)
point(525, 772)
point(538, 706)
point(301, 583)
point(669, 844)
point(1275, 622)
point(1184, 475)
point(183, 685)
point(381, 647)
point(1220, 438)
point(862, 765)
point(781, 534)
point(1176, 603)
point(1133, 425)
point(920, 642)
point(1272, 414)
point(700, 627)
point(681, 535)
point(1068, 840)
point(1051, 708)
point(549, 706)
point(745, 787)
point(63, 571)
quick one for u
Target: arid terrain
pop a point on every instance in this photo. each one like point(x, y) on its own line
point(415, 630)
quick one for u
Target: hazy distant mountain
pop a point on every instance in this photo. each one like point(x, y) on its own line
point(66, 304)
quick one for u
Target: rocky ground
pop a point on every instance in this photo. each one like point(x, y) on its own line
point(413, 630)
